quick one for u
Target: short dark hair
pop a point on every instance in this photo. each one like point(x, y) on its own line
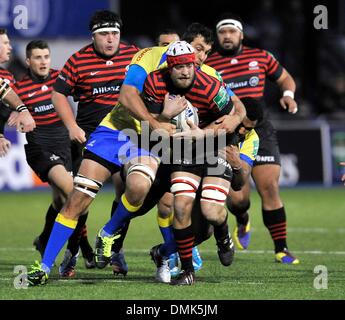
point(229, 15)
point(166, 31)
point(102, 16)
point(3, 31)
point(254, 108)
point(36, 44)
point(197, 29)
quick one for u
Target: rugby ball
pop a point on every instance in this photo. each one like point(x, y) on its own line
point(190, 113)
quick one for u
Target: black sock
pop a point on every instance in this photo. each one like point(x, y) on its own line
point(185, 241)
point(74, 240)
point(49, 223)
point(275, 221)
point(222, 231)
point(85, 247)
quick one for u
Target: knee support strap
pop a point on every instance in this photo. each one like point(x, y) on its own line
point(214, 193)
point(86, 185)
point(184, 186)
point(143, 170)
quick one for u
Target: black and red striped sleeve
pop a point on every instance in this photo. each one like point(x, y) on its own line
point(67, 79)
point(153, 93)
point(274, 69)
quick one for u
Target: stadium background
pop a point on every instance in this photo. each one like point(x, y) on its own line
point(312, 144)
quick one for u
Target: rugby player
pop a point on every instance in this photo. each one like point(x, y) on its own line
point(48, 150)
point(212, 101)
point(245, 70)
point(240, 155)
point(93, 77)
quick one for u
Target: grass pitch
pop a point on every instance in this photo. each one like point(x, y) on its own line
point(316, 233)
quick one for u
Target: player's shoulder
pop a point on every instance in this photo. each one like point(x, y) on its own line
point(157, 76)
point(54, 73)
point(211, 71)
point(150, 53)
point(83, 52)
point(5, 74)
point(256, 51)
point(125, 46)
point(126, 50)
point(205, 78)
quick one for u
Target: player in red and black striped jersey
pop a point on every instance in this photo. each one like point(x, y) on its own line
point(21, 119)
point(209, 96)
point(93, 76)
point(245, 71)
point(48, 149)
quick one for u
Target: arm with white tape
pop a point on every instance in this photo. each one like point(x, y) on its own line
point(288, 86)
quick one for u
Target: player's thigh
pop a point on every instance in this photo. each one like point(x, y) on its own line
point(266, 176)
point(61, 180)
point(94, 170)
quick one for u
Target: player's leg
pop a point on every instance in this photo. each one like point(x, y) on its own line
point(238, 203)
point(184, 186)
point(86, 185)
point(41, 240)
point(140, 174)
point(61, 182)
point(117, 261)
point(160, 254)
point(79, 237)
point(266, 177)
point(213, 196)
point(44, 161)
point(165, 221)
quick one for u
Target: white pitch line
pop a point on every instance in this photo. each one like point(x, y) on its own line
point(208, 251)
point(305, 230)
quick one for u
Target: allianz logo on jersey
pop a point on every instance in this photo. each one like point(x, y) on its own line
point(106, 89)
point(44, 108)
point(253, 82)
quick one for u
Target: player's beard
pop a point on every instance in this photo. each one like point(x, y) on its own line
point(231, 51)
point(183, 83)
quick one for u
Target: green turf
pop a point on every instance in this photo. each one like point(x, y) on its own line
point(315, 221)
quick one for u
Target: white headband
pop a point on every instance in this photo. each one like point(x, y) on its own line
point(106, 26)
point(107, 29)
point(229, 23)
